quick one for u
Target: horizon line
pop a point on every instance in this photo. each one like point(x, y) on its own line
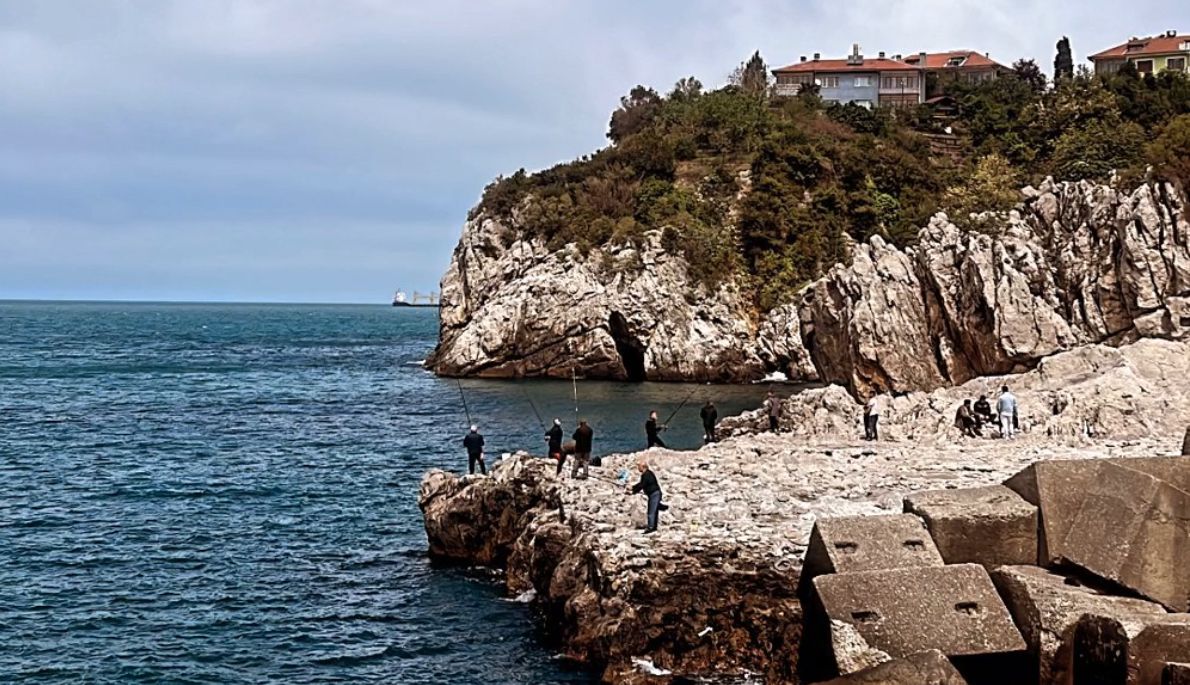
point(6, 300)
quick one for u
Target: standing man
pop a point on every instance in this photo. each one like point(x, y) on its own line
point(709, 415)
point(871, 418)
point(772, 406)
point(553, 436)
point(474, 444)
point(583, 437)
point(1006, 407)
point(648, 485)
point(651, 431)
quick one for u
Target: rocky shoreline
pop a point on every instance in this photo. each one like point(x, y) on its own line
point(714, 593)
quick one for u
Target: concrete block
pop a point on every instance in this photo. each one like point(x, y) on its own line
point(868, 543)
point(992, 526)
point(1128, 650)
point(954, 609)
point(1058, 487)
point(1177, 674)
point(1134, 529)
point(1047, 606)
point(926, 668)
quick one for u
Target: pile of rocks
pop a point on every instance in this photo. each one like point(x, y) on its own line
point(720, 590)
point(1090, 558)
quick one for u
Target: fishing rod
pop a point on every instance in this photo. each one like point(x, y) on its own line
point(464, 396)
point(532, 404)
point(675, 412)
point(574, 380)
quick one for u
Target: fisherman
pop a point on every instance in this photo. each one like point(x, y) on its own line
point(553, 436)
point(583, 437)
point(474, 444)
point(1006, 407)
point(871, 418)
point(710, 416)
point(983, 412)
point(648, 485)
point(964, 420)
point(652, 430)
point(772, 407)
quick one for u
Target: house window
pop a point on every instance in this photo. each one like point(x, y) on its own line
point(829, 82)
point(1144, 66)
point(1176, 64)
point(863, 82)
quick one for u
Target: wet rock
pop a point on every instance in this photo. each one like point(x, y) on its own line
point(1047, 606)
point(992, 526)
point(926, 668)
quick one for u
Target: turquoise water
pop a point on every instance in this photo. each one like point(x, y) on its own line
point(227, 494)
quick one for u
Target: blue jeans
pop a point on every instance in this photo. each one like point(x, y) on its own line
point(654, 506)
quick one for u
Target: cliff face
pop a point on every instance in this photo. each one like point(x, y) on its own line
point(1076, 264)
point(512, 308)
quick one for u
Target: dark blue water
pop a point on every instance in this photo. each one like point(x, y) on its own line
point(227, 494)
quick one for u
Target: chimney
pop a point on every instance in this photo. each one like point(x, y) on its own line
point(921, 60)
point(881, 54)
point(803, 58)
point(817, 55)
point(1171, 33)
point(897, 56)
point(855, 57)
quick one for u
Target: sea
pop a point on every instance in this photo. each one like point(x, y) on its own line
point(227, 493)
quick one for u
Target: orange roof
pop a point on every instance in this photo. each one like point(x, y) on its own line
point(1153, 45)
point(940, 60)
point(825, 65)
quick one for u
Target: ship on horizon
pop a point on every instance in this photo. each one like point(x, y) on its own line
point(400, 299)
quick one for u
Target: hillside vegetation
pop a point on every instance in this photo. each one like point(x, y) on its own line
point(764, 189)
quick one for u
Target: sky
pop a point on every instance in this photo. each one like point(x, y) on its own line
point(328, 150)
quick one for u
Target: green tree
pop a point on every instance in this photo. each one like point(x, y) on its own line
point(1063, 62)
point(992, 186)
point(636, 111)
point(752, 76)
point(1027, 70)
point(686, 88)
point(1169, 153)
point(1096, 148)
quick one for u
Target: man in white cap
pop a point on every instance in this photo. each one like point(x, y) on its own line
point(553, 436)
point(474, 444)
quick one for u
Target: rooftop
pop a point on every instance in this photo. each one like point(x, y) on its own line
point(1166, 43)
point(954, 59)
point(865, 64)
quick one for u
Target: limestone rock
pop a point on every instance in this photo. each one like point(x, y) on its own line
point(510, 307)
point(1046, 607)
point(926, 668)
point(992, 526)
point(1084, 264)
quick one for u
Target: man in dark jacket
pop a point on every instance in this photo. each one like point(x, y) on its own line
point(651, 431)
point(709, 417)
point(583, 437)
point(772, 408)
point(648, 485)
point(553, 436)
point(474, 444)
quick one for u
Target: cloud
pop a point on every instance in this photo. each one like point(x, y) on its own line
point(143, 142)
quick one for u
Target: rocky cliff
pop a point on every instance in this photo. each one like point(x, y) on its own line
point(1075, 264)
